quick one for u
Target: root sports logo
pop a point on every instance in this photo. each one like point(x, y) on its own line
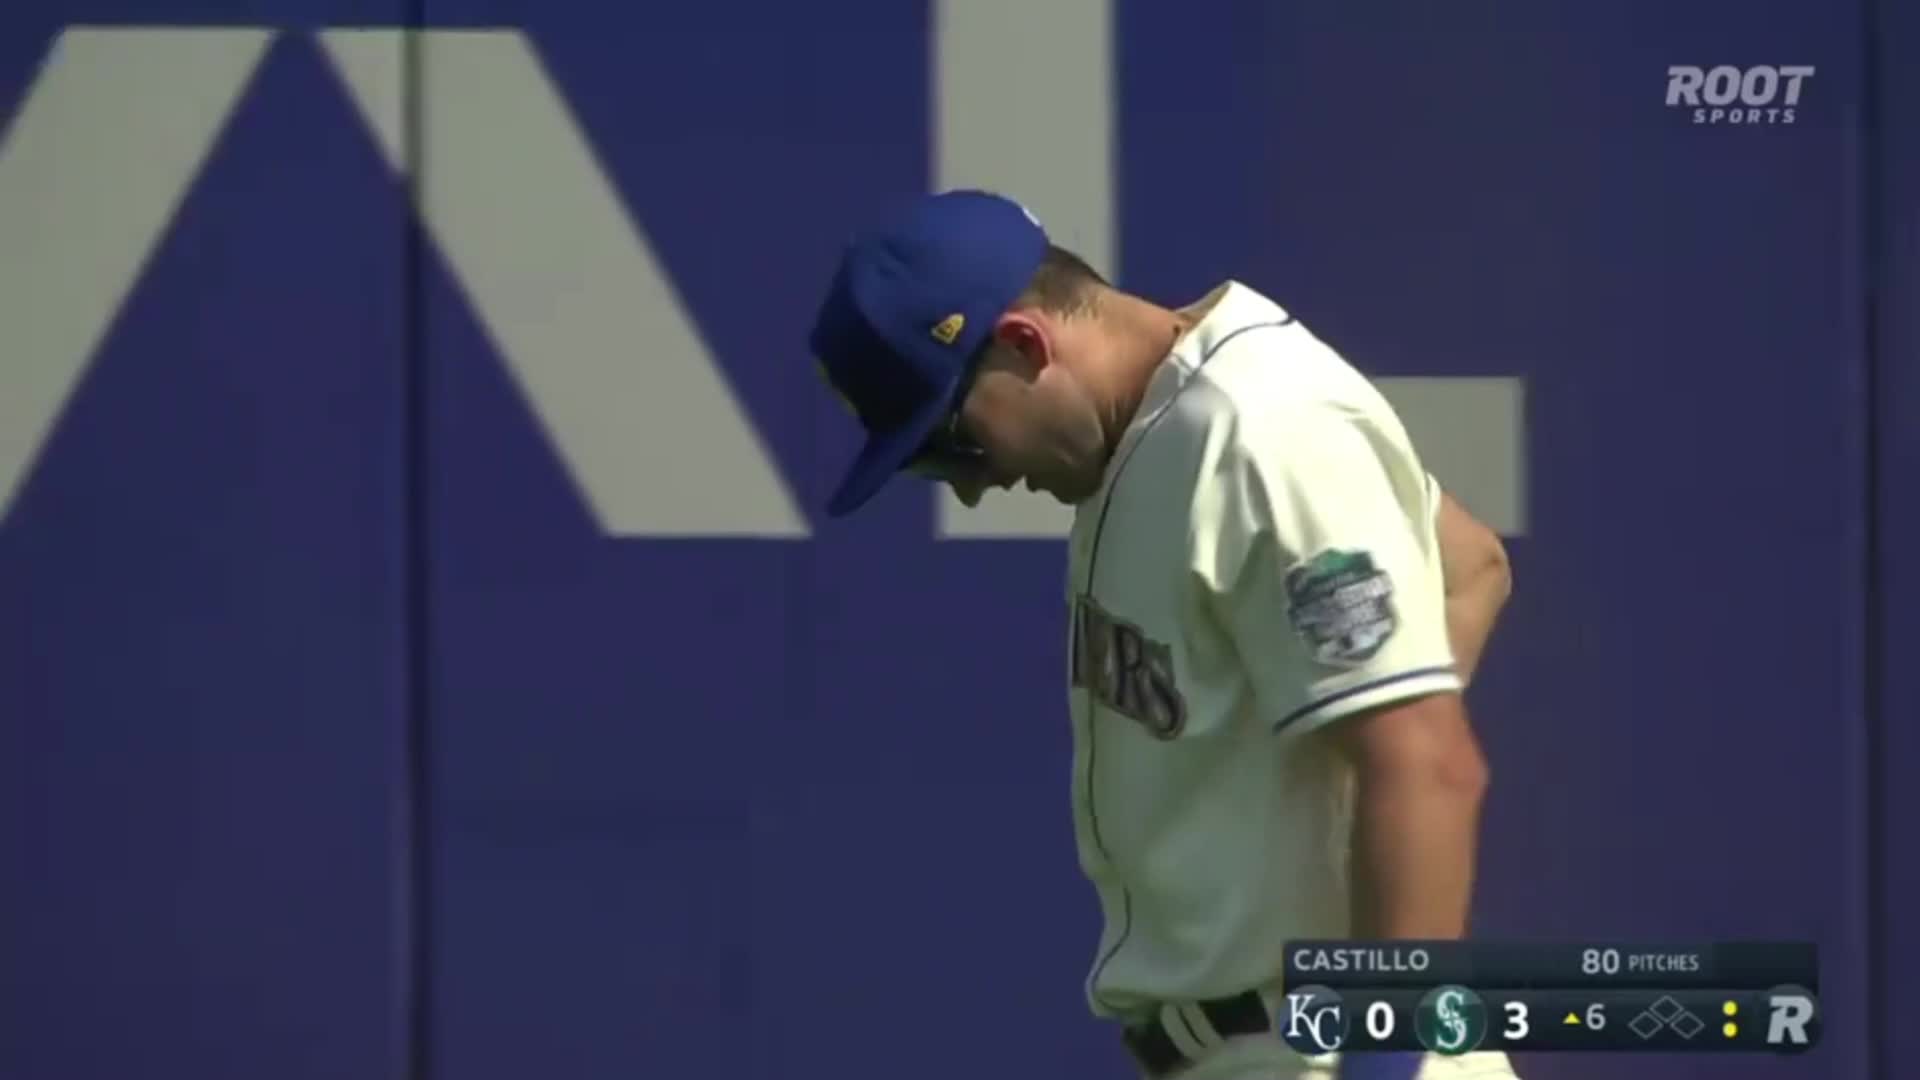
point(1758, 95)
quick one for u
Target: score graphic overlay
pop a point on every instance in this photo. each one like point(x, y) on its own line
point(1451, 997)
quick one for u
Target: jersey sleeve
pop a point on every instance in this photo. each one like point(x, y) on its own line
point(1323, 567)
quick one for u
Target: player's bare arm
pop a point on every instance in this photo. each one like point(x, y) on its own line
point(1421, 778)
point(1478, 581)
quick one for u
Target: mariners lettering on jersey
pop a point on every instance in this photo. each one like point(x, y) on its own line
point(1362, 960)
point(1126, 670)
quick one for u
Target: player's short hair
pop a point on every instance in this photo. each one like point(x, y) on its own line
point(1064, 284)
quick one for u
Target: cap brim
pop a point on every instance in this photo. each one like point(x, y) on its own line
point(886, 453)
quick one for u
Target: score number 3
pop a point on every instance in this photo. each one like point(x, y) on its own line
point(1517, 1026)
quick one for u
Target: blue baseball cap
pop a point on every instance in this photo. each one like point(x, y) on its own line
point(911, 305)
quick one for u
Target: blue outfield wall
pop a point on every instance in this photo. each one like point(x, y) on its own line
point(419, 647)
point(1897, 365)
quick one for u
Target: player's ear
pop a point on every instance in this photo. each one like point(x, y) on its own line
point(1020, 334)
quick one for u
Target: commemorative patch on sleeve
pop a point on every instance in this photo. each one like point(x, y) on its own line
point(1341, 604)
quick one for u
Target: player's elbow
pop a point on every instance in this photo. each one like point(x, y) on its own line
point(1462, 769)
point(1453, 769)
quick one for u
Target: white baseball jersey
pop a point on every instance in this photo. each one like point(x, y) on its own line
point(1260, 561)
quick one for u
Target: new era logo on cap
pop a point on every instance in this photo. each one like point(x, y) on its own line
point(948, 329)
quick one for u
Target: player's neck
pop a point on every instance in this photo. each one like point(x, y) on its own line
point(1143, 334)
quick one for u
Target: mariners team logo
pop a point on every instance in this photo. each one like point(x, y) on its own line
point(1342, 605)
point(1451, 1020)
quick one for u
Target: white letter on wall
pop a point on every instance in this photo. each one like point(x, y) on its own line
point(105, 145)
point(568, 289)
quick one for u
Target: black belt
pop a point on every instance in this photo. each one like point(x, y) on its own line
point(1154, 1049)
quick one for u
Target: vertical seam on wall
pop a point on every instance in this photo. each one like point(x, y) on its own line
point(418, 936)
point(1872, 222)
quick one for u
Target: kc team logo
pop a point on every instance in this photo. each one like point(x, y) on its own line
point(1762, 94)
point(1314, 1020)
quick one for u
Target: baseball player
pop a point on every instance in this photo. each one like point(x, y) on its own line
point(1273, 611)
